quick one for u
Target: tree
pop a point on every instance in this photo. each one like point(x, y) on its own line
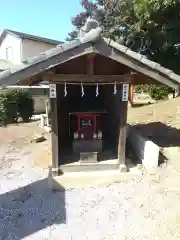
point(150, 27)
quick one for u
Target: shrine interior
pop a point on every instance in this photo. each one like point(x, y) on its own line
point(99, 99)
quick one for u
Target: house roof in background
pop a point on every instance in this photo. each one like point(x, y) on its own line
point(30, 37)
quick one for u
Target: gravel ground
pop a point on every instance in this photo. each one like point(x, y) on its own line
point(139, 209)
point(143, 209)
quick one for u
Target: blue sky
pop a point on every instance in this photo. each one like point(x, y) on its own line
point(46, 18)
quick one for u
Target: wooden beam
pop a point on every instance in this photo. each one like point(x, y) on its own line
point(78, 78)
point(137, 79)
point(54, 135)
point(90, 64)
point(122, 134)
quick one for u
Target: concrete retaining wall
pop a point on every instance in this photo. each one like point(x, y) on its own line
point(146, 150)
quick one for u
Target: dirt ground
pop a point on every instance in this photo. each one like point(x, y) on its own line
point(19, 136)
point(166, 112)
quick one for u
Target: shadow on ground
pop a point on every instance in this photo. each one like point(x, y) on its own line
point(30, 209)
point(138, 105)
point(131, 155)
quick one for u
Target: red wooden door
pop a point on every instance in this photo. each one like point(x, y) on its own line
point(87, 126)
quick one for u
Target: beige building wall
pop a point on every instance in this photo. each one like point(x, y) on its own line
point(32, 48)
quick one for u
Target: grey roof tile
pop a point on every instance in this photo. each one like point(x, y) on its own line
point(148, 62)
point(163, 69)
point(5, 73)
point(124, 49)
point(70, 45)
point(116, 45)
point(133, 54)
point(35, 59)
point(53, 51)
point(61, 48)
point(17, 68)
point(174, 77)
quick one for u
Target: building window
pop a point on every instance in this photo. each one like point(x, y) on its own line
point(9, 53)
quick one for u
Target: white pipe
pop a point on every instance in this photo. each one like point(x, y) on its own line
point(47, 112)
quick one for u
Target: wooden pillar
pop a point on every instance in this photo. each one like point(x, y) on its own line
point(54, 129)
point(132, 94)
point(122, 130)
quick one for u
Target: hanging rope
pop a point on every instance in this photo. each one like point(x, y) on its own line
point(82, 90)
point(65, 90)
point(97, 90)
point(115, 88)
point(91, 83)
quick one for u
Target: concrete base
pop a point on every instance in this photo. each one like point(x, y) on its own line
point(47, 129)
point(53, 172)
point(122, 168)
point(88, 179)
point(88, 157)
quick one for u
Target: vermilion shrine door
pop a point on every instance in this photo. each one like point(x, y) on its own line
point(87, 125)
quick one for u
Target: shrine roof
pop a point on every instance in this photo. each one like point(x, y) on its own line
point(94, 43)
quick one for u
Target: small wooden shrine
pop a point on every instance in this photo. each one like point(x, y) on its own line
point(89, 87)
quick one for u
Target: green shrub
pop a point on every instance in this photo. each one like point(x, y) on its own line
point(8, 106)
point(159, 92)
point(3, 111)
point(155, 92)
point(14, 104)
point(142, 88)
point(25, 104)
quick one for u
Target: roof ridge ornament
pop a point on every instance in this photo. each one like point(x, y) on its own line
point(90, 32)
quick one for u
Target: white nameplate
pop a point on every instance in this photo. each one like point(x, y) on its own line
point(52, 90)
point(125, 92)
